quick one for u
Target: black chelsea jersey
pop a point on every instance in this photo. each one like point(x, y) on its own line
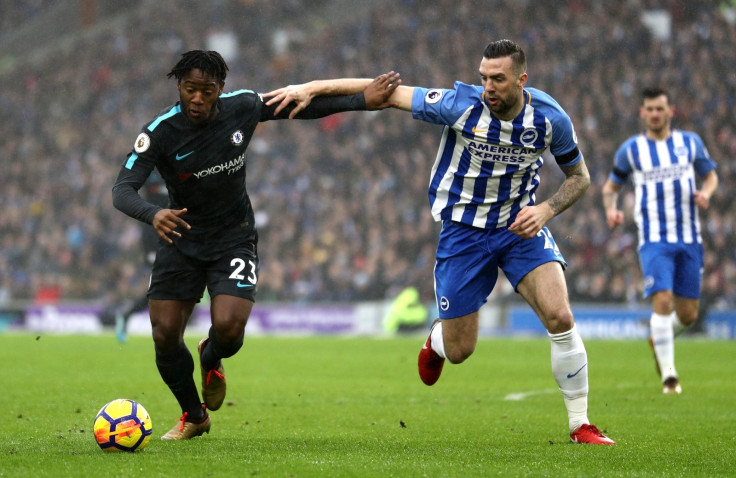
point(203, 167)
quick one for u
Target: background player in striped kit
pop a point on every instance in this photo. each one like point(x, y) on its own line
point(482, 188)
point(663, 162)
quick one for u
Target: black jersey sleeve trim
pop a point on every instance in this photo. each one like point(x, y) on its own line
point(567, 157)
point(319, 107)
point(623, 176)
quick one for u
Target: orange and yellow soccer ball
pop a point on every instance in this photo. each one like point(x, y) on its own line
point(123, 425)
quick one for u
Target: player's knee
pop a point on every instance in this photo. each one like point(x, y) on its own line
point(687, 317)
point(228, 342)
point(686, 310)
point(228, 331)
point(165, 340)
point(560, 321)
point(663, 301)
point(459, 352)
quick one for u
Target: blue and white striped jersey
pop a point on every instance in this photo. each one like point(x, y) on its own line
point(486, 169)
point(664, 181)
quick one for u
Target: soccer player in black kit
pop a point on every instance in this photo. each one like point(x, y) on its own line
point(208, 234)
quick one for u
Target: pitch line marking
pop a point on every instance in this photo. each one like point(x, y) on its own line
point(515, 397)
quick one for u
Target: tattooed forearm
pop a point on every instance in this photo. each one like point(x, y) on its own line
point(577, 182)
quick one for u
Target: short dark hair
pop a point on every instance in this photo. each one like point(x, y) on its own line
point(209, 62)
point(652, 92)
point(503, 48)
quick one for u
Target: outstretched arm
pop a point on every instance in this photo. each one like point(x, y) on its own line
point(402, 97)
point(377, 92)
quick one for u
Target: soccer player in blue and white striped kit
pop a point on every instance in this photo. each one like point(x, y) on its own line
point(662, 162)
point(482, 188)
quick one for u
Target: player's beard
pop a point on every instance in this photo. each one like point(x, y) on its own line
point(503, 106)
point(659, 127)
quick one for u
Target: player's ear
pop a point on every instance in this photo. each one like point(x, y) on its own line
point(522, 80)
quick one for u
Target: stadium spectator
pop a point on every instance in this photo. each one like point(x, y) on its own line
point(407, 313)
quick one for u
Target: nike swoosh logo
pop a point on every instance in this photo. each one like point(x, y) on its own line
point(244, 285)
point(179, 158)
point(479, 131)
point(571, 375)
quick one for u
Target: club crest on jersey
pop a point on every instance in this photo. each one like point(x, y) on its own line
point(433, 96)
point(528, 136)
point(237, 138)
point(142, 142)
point(681, 151)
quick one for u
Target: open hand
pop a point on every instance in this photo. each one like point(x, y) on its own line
point(378, 93)
point(166, 221)
point(297, 94)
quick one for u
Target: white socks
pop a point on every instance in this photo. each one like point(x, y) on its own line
point(677, 326)
point(436, 341)
point(663, 335)
point(570, 369)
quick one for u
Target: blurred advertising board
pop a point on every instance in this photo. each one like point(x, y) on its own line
point(593, 321)
point(611, 322)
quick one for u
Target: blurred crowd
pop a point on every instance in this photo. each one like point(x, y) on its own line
point(341, 202)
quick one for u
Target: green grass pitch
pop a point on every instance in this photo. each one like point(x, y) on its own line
point(316, 407)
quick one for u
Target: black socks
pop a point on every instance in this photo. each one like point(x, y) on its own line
point(176, 370)
point(216, 350)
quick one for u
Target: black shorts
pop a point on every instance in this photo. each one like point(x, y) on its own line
point(176, 276)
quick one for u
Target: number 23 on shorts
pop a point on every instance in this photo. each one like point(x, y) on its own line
point(244, 272)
